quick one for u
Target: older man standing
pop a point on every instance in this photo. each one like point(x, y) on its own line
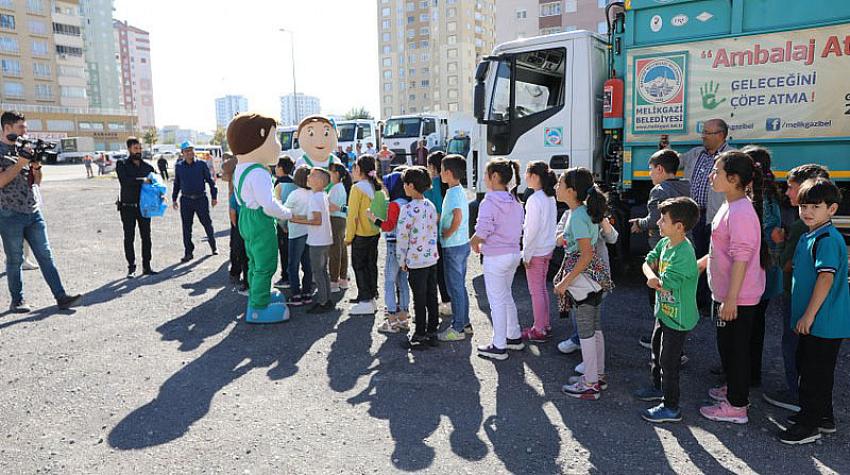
point(698, 163)
point(190, 179)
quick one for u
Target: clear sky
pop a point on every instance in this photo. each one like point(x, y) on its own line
point(201, 50)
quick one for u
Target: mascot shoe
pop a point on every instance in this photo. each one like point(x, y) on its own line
point(276, 312)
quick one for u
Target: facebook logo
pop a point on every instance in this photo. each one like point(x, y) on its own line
point(773, 124)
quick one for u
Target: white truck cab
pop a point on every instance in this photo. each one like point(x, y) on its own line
point(289, 142)
point(541, 99)
point(352, 132)
point(402, 133)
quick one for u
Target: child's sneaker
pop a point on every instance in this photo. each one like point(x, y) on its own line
point(534, 335)
point(343, 284)
point(568, 346)
point(649, 394)
point(719, 394)
point(450, 334)
point(281, 284)
point(334, 287)
point(580, 368)
point(725, 412)
point(516, 344)
point(493, 353)
point(307, 298)
point(661, 413)
point(468, 329)
point(602, 381)
point(581, 390)
point(826, 425)
point(418, 341)
point(798, 435)
point(294, 301)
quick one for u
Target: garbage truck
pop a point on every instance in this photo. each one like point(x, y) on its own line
point(774, 70)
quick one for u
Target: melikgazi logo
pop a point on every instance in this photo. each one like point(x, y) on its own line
point(659, 99)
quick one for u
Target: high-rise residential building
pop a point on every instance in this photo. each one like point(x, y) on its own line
point(133, 52)
point(306, 105)
point(99, 48)
point(228, 106)
point(526, 18)
point(428, 52)
point(44, 74)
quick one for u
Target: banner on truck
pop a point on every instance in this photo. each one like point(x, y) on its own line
point(784, 85)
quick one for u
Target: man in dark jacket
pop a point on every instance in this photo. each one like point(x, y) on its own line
point(190, 178)
point(162, 164)
point(132, 172)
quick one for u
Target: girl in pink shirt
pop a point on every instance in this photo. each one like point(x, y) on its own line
point(735, 263)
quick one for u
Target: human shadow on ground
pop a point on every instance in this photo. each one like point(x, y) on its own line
point(32, 317)
point(118, 288)
point(413, 393)
point(185, 397)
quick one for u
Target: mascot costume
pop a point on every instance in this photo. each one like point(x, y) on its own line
point(317, 137)
point(252, 138)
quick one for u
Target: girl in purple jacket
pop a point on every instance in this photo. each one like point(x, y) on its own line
point(497, 236)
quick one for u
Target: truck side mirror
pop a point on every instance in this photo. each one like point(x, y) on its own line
point(479, 93)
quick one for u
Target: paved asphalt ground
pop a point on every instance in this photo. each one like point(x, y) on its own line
point(158, 375)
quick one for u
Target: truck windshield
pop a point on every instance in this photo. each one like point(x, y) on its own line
point(286, 141)
point(346, 132)
point(538, 84)
point(402, 128)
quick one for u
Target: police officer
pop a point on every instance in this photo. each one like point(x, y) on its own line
point(132, 173)
point(190, 179)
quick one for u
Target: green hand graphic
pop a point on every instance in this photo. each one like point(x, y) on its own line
point(709, 95)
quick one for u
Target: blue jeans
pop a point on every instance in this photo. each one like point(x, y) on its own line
point(298, 255)
point(454, 259)
point(789, 344)
point(14, 229)
point(395, 278)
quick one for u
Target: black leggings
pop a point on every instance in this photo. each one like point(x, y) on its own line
point(364, 260)
point(734, 345)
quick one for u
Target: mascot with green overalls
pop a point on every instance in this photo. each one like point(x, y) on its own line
point(253, 139)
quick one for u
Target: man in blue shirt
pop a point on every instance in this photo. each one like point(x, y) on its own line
point(190, 178)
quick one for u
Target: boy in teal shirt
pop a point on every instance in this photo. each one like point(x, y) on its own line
point(820, 310)
point(454, 236)
point(671, 269)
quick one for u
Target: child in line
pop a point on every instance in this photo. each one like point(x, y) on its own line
point(435, 195)
point(772, 238)
point(538, 242)
point(671, 271)
point(581, 280)
point(788, 398)
point(497, 236)
point(820, 306)
point(282, 188)
point(396, 288)
point(362, 235)
point(319, 237)
point(735, 265)
point(238, 254)
point(663, 166)
point(416, 251)
point(337, 199)
point(299, 202)
point(454, 234)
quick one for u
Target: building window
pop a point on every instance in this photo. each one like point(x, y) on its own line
point(550, 31)
point(13, 89)
point(7, 22)
point(424, 44)
point(117, 126)
point(410, 6)
point(411, 33)
point(452, 93)
point(452, 53)
point(35, 6)
point(37, 27)
point(385, 24)
point(388, 99)
point(426, 57)
point(411, 97)
point(452, 67)
point(451, 12)
point(9, 45)
point(43, 91)
point(451, 39)
point(411, 19)
point(412, 59)
point(11, 67)
point(451, 26)
point(66, 50)
point(60, 125)
point(424, 31)
point(423, 4)
point(388, 86)
point(452, 106)
point(67, 30)
point(10, 4)
point(412, 72)
point(425, 83)
point(452, 80)
point(387, 62)
point(424, 18)
point(570, 6)
point(91, 125)
point(41, 70)
point(34, 124)
point(71, 71)
point(74, 92)
point(388, 74)
point(550, 9)
point(569, 28)
point(521, 14)
point(385, 12)
point(387, 49)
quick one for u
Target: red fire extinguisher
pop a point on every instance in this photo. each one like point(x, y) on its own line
point(612, 106)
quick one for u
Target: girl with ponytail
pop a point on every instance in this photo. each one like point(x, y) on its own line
point(497, 236)
point(362, 234)
point(538, 242)
point(735, 264)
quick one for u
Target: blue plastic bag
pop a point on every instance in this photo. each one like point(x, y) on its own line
point(152, 200)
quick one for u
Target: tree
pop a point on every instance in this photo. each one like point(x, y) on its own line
point(358, 113)
point(150, 137)
point(220, 138)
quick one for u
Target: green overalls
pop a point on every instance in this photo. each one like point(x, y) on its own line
point(260, 235)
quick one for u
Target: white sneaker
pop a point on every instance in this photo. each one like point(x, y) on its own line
point(343, 284)
point(29, 265)
point(335, 287)
point(567, 346)
point(363, 308)
point(580, 368)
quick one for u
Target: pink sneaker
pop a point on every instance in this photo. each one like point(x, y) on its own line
point(535, 335)
point(724, 412)
point(719, 394)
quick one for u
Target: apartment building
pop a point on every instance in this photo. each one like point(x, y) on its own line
point(294, 108)
point(44, 74)
point(526, 18)
point(228, 106)
point(133, 53)
point(428, 52)
point(103, 87)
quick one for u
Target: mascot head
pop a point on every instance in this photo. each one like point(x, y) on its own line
point(317, 136)
point(253, 138)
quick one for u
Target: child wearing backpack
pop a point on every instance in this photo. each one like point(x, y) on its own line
point(362, 235)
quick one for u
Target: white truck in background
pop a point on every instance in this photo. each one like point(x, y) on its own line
point(402, 134)
point(289, 142)
point(362, 131)
point(74, 149)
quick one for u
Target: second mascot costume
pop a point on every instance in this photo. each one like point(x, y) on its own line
point(253, 140)
point(317, 136)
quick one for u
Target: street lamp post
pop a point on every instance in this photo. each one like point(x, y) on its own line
point(294, 93)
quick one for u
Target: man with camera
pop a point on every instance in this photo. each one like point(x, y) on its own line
point(20, 215)
point(132, 173)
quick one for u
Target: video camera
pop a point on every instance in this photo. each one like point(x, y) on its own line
point(36, 150)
